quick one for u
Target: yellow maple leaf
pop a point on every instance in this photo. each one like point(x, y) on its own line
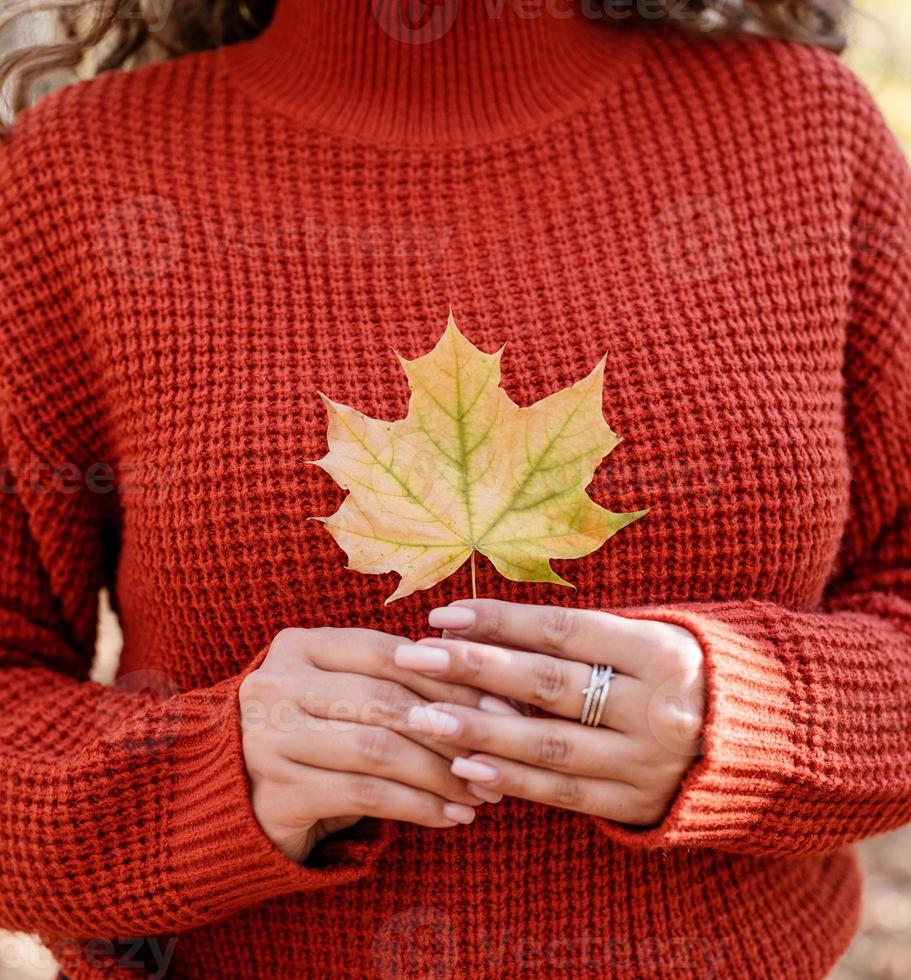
point(468, 471)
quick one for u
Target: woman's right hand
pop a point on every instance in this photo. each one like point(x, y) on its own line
point(325, 740)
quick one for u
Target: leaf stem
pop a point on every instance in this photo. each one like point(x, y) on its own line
point(474, 580)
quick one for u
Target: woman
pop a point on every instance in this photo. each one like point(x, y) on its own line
point(283, 783)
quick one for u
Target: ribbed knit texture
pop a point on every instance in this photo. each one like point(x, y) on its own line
point(191, 251)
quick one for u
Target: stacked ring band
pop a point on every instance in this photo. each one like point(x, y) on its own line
point(596, 695)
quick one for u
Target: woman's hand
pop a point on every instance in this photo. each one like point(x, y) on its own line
point(326, 741)
point(629, 768)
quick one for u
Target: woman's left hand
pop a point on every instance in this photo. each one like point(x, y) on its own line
point(629, 768)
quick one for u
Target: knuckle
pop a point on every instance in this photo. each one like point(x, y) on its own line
point(290, 634)
point(291, 639)
point(295, 644)
point(663, 716)
point(492, 616)
point(684, 662)
point(679, 649)
point(674, 722)
point(568, 792)
point(560, 625)
point(260, 686)
point(250, 687)
point(366, 794)
point(472, 660)
point(553, 749)
point(375, 746)
point(383, 649)
point(549, 681)
point(476, 730)
point(389, 700)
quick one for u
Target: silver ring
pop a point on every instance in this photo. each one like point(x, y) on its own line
point(596, 694)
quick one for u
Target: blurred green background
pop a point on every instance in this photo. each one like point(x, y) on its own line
point(880, 53)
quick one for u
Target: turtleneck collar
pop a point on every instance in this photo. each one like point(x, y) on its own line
point(431, 72)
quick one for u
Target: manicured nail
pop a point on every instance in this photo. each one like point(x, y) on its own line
point(496, 706)
point(452, 618)
point(429, 721)
point(458, 812)
point(478, 772)
point(416, 657)
point(485, 794)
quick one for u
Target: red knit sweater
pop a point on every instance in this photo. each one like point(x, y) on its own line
point(189, 252)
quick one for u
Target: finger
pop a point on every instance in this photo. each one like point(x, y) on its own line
point(364, 700)
point(482, 793)
point(600, 797)
point(375, 751)
point(438, 689)
point(562, 746)
point(552, 683)
point(372, 653)
point(360, 699)
point(364, 795)
point(586, 635)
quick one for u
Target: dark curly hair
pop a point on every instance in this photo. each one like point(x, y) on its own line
point(110, 34)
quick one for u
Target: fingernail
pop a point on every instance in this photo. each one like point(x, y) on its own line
point(478, 772)
point(496, 706)
point(458, 812)
point(429, 721)
point(452, 618)
point(416, 657)
point(485, 794)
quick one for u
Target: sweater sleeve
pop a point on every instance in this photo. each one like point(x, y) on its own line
point(121, 814)
point(807, 738)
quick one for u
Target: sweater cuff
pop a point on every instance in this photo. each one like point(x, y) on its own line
point(219, 851)
point(747, 761)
